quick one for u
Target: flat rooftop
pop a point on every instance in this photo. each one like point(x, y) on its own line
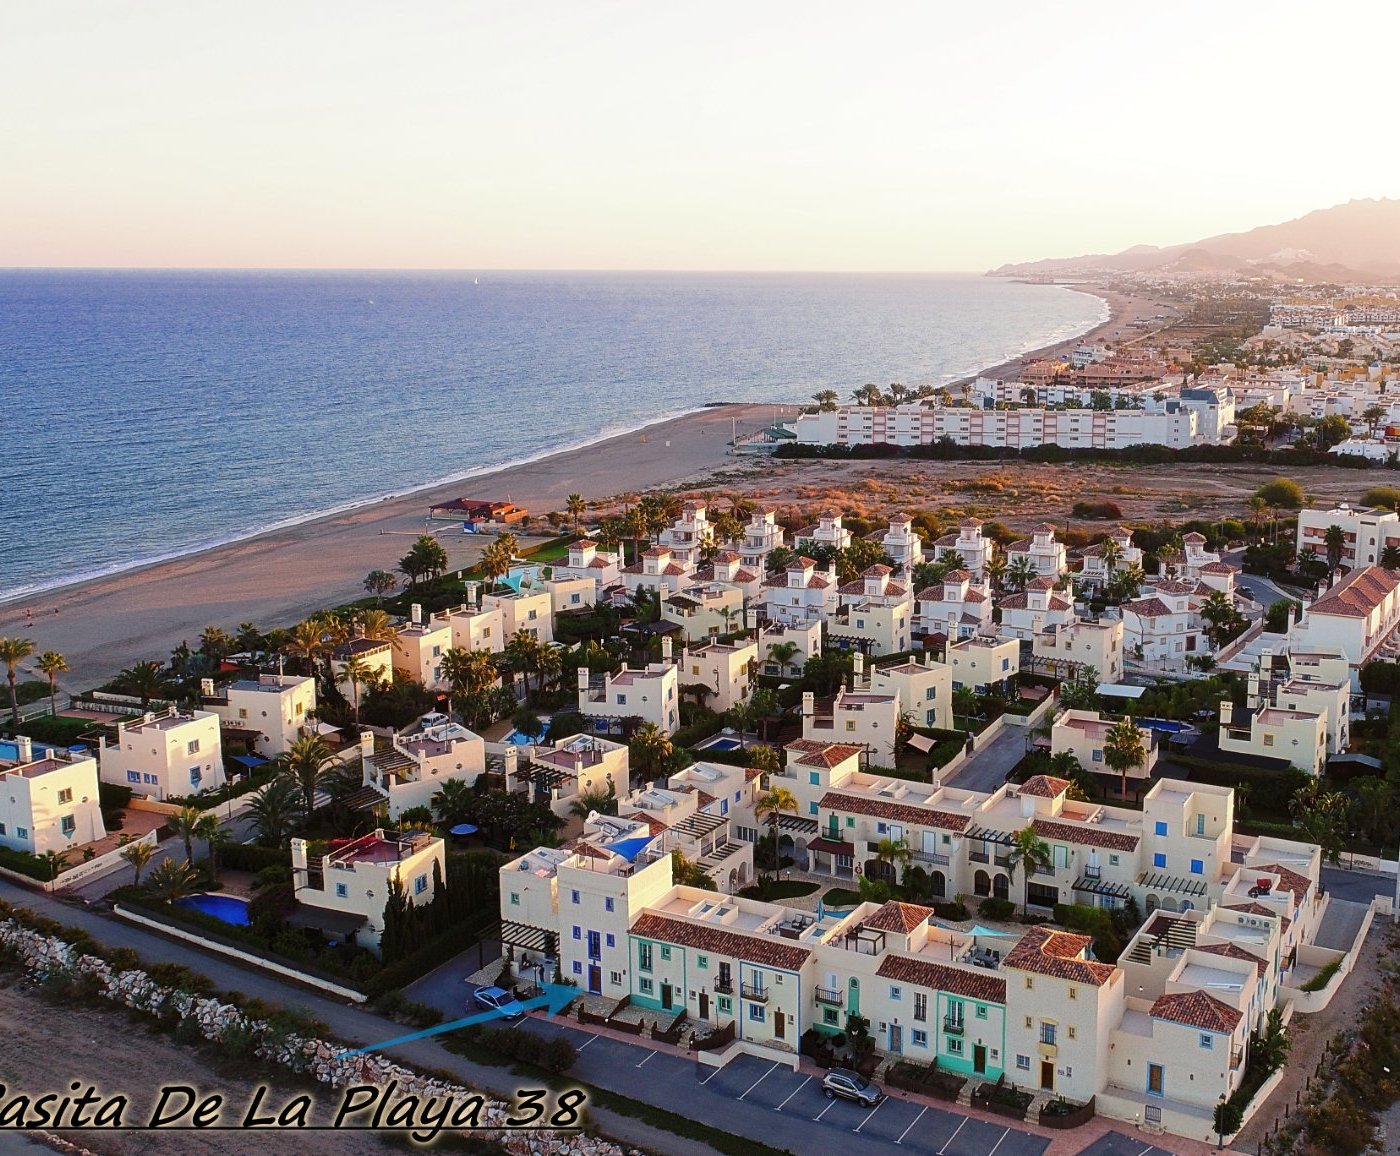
point(167, 722)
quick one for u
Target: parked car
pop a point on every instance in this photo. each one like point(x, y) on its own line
point(498, 999)
point(851, 1086)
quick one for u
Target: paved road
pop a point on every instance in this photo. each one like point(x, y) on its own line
point(986, 769)
point(1117, 1144)
point(349, 1023)
point(1340, 923)
point(1356, 886)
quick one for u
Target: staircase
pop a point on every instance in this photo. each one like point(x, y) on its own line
point(1178, 935)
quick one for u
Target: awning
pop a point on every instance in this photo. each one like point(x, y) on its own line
point(1102, 887)
point(525, 936)
point(798, 824)
point(629, 849)
point(1002, 838)
point(463, 829)
point(832, 847)
point(921, 743)
point(249, 761)
point(325, 728)
point(1155, 882)
point(1120, 690)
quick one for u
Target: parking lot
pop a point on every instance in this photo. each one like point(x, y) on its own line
point(771, 1103)
point(1117, 1144)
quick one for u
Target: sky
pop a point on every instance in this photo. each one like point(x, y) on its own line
point(614, 134)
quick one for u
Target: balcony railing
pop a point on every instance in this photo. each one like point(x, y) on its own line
point(979, 857)
point(755, 994)
point(1002, 860)
point(829, 995)
point(952, 1027)
point(1048, 872)
point(1092, 872)
point(725, 985)
point(934, 857)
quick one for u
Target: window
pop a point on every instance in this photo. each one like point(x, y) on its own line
point(609, 903)
point(150, 779)
point(702, 962)
point(133, 776)
point(1073, 993)
point(726, 1005)
point(1047, 1034)
point(611, 939)
point(1207, 1041)
point(615, 977)
point(1069, 1031)
point(981, 1011)
point(192, 747)
point(342, 891)
point(954, 1045)
point(578, 931)
point(920, 1038)
point(65, 795)
point(1113, 860)
point(815, 778)
point(1156, 1079)
point(22, 832)
point(643, 955)
point(1023, 1063)
point(1159, 859)
point(420, 885)
point(622, 700)
point(1200, 824)
point(194, 776)
point(645, 986)
point(515, 898)
point(757, 1012)
point(1197, 867)
point(896, 993)
point(850, 725)
point(1159, 828)
point(67, 824)
point(573, 896)
point(829, 1016)
point(1268, 740)
point(850, 821)
point(1097, 756)
point(1029, 1022)
point(1030, 984)
point(665, 953)
point(920, 1006)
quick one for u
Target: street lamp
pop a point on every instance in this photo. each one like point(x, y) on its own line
point(1220, 1122)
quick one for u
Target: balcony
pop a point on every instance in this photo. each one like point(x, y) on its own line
point(725, 985)
point(952, 1027)
point(755, 994)
point(829, 995)
point(979, 857)
point(1092, 872)
point(934, 857)
point(1043, 872)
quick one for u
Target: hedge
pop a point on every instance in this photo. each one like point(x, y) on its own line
point(25, 863)
point(444, 947)
point(251, 857)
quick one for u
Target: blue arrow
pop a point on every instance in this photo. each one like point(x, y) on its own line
point(557, 996)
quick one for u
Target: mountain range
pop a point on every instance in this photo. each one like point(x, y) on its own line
point(1357, 241)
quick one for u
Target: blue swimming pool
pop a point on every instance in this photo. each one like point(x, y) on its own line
point(1168, 726)
point(720, 744)
point(9, 751)
point(226, 908)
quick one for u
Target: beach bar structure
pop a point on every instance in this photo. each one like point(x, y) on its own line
point(477, 512)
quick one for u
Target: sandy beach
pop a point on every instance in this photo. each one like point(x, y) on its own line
point(278, 578)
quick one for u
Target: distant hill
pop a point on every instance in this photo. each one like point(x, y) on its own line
point(1356, 241)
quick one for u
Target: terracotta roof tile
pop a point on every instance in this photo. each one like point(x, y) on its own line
point(1195, 1009)
point(1356, 595)
point(1085, 836)
point(900, 917)
point(765, 950)
point(1147, 608)
point(818, 754)
point(1045, 786)
point(1287, 880)
point(941, 977)
point(898, 812)
point(1058, 954)
point(1233, 951)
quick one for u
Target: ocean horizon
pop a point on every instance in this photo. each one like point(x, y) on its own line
point(159, 413)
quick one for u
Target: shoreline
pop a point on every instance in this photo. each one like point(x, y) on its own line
point(276, 576)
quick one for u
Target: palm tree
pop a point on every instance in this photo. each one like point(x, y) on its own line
point(522, 653)
point(357, 672)
point(13, 651)
point(187, 825)
point(145, 680)
point(965, 702)
point(602, 801)
point(495, 563)
point(765, 705)
point(771, 805)
point(783, 653)
point(549, 665)
point(896, 853)
point(172, 880)
point(378, 626)
point(308, 643)
point(649, 750)
point(215, 644)
point(1335, 541)
point(51, 664)
point(303, 763)
point(1390, 557)
point(55, 861)
point(215, 837)
point(1123, 749)
point(1029, 851)
point(1110, 553)
point(275, 812)
point(1258, 512)
point(249, 638)
point(1221, 616)
point(380, 583)
point(996, 569)
point(138, 855)
point(468, 673)
point(826, 400)
point(1020, 572)
point(576, 506)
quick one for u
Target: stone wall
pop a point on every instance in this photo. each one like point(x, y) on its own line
point(326, 1062)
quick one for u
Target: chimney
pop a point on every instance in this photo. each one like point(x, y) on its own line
point(859, 667)
point(809, 704)
point(26, 748)
point(508, 761)
point(583, 678)
point(366, 743)
point(206, 687)
point(415, 613)
point(471, 594)
point(665, 648)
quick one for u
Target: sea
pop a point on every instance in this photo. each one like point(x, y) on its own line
point(150, 414)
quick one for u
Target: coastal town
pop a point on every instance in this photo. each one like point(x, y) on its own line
point(874, 787)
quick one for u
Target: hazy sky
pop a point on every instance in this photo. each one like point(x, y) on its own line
point(617, 134)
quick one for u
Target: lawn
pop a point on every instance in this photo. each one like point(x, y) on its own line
point(841, 897)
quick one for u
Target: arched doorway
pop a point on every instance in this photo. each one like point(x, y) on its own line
point(1001, 887)
point(880, 871)
point(1152, 904)
point(1169, 903)
point(853, 997)
point(938, 883)
point(982, 883)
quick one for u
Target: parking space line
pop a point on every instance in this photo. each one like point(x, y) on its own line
point(954, 1136)
point(650, 1055)
point(712, 1075)
point(591, 1039)
point(794, 1092)
point(867, 1119)
point(824, 1111)
point(997, 1145)
point(760, 1080)
point(916, 1119)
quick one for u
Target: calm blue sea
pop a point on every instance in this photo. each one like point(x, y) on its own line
point(148, 414)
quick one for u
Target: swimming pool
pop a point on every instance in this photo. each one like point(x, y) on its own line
point(720, 744)
point(519, 739)
point(226, 908)
point(1169, 726)
point(9, 751)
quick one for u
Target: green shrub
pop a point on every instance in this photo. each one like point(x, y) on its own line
point(994, 908)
